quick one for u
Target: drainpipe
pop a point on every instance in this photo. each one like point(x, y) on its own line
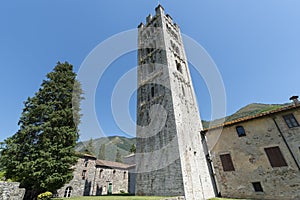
point(286, 143)
point(209, 162)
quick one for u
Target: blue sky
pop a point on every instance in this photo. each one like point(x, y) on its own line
point(255, 45)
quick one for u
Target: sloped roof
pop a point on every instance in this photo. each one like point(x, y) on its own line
point(81, 154)
point(112, 164)
point(130, 155)
point(251, 117)
point(89, 155)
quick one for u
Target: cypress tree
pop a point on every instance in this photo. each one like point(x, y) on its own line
point(41, 153)
point(133, 148)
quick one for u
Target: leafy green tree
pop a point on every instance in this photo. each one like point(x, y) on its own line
point(101, 154)
point(41, 153)
point(118, 156)
point(90, 148)
point(133, 148)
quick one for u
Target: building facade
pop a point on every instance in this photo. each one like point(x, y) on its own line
point(92, 177)
point(169, 160)
point(258, 157)
point(130, 160)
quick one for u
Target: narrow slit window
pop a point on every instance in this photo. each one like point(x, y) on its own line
point(178, 67)
point(152, 91)
point(100, 174)
point(83, 174)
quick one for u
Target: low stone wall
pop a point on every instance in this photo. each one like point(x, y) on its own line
point(11, 191)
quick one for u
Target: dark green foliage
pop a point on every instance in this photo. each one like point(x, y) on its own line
point(41, 153)
point(90, 148)
point(101, 154)
point(133, 148)
point(118, 156)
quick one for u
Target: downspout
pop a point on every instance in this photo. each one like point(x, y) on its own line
point(209, 162)
point(286, 143)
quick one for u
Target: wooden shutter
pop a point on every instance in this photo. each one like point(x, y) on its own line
point(275, 157)
point(227, 162)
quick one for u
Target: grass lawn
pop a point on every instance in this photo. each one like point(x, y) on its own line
point(116, 198)
point(128, 198)
point(227, 199)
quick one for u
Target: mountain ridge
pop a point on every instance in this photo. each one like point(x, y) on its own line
point(124, 144)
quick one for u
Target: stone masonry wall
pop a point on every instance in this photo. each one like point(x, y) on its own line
point(81, 185)
point(170, 158)
point(11, 191)
point(251, 163)
point(90, 180)
point(105, 176)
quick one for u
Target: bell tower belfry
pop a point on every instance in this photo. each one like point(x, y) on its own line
point(170, 160)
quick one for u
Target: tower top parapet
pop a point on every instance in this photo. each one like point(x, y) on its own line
point(159, 12)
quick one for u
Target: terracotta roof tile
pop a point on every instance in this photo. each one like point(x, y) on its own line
point(281, 109)
point(111, 164)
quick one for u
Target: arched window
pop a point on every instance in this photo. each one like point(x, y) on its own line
point(100, 174)
point(68, 191)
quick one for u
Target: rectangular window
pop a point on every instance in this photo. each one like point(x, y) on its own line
point(275, 157)
point(83, 174)
point(227, 162)
point(290, 120)
point(152, 91)
point(240, 131)
point(257, 187)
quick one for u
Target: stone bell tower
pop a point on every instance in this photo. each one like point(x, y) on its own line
point(170, 160)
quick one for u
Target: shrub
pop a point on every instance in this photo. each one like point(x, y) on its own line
point(122, 192)
point(3, 178)
point(45, 196)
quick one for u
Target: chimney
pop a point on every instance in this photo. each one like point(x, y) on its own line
point(295, 100)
